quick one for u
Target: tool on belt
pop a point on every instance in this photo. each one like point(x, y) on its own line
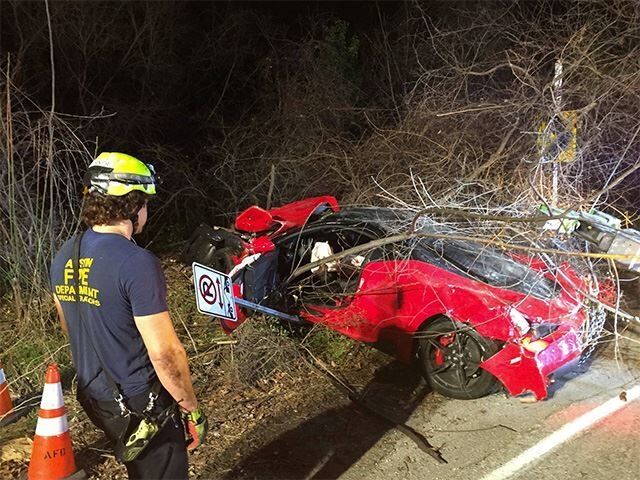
point(141, 427)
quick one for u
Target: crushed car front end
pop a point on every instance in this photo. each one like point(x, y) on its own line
point(536, 312)
point(533, 313)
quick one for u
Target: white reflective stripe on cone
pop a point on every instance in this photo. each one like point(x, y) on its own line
point(52, 396)
point(2, 377)
point(48, 427)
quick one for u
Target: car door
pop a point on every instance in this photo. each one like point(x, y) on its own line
point(354, 294)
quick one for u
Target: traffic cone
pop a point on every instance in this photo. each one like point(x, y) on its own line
point(52, 455)
point(5, 398)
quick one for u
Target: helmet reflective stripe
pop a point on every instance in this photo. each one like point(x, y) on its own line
point(117, 174)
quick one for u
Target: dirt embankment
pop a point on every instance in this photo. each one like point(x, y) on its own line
point(284, 427)
point(271, 414)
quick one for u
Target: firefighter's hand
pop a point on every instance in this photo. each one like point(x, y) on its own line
point(196, 426)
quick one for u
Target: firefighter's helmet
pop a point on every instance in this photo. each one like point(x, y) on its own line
point(113, 173)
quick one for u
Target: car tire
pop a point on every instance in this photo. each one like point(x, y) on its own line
point(450, 353)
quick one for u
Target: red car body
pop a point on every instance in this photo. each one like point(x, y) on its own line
point(396, 298)
point(405, 294)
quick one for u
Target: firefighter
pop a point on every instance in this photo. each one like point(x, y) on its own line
point(110, 294)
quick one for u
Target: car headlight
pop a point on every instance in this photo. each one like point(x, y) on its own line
point(519, 321)
point(542, 330)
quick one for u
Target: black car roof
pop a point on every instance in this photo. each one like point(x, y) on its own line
point(384, 217)
point(479, 261)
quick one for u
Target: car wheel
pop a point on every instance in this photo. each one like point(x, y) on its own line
point(450, 354)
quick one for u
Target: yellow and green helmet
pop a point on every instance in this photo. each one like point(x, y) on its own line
point(113, 173)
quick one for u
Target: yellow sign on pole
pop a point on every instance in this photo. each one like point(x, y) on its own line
point(558, 138)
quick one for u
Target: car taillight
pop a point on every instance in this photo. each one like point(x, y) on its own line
point(532, 345)
point(542, 330)
point(534, 342)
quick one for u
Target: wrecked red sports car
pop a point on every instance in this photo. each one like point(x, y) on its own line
point(472, 316)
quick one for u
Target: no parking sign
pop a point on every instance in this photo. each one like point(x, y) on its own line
point(214, 294)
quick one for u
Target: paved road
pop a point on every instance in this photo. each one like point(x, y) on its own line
point(479, 436)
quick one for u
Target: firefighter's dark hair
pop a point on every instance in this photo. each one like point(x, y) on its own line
point(101, 209)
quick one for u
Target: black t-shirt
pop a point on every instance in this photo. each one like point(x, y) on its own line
point(118, 280)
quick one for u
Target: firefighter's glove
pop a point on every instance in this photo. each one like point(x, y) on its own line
point(196, 426)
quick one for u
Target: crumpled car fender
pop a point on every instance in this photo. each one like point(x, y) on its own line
point(522, 371)
point(518, 372)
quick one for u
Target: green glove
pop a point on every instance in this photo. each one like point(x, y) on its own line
point(196, 426)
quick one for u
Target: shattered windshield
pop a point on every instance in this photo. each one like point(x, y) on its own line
point(480, 262)
point(487, 265)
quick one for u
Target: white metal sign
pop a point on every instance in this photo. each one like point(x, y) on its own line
point(214, 294)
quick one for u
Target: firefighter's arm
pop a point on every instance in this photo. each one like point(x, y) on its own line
point(63, 322)
point(168, 357)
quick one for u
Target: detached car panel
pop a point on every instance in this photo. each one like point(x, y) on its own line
point(473, 317)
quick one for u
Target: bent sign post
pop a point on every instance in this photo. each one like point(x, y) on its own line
point(214, 295)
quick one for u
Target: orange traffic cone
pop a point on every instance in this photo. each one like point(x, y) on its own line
point(5, 398)
point(52, 455)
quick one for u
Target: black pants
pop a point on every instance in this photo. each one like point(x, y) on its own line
point(165, 457)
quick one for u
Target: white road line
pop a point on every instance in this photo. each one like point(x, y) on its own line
point(568, 431)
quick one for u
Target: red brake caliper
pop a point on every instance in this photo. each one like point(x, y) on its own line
point(444, 341)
